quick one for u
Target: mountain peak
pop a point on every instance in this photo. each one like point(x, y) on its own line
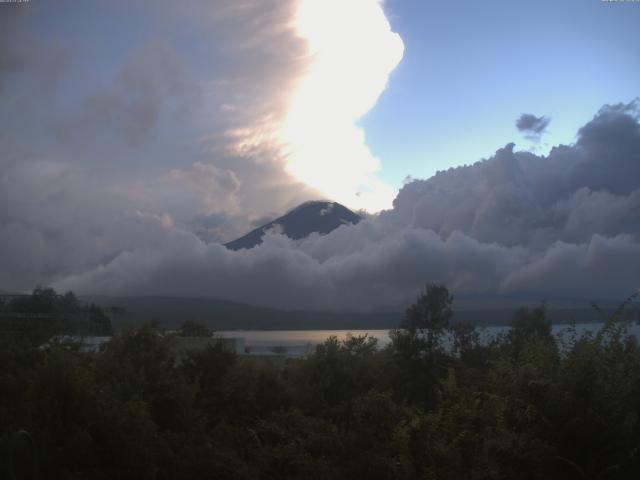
point(313, 216)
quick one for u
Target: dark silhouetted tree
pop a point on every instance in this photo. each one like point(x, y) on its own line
point(190, 328)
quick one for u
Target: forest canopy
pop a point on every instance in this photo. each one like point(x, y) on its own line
point(528, 404)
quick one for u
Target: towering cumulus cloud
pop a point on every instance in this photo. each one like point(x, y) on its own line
point(353, 51)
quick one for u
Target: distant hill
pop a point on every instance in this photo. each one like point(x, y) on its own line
point(227, 315)
point(317, 216)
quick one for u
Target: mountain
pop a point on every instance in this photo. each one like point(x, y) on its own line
point(170, 312)
point(310, 217)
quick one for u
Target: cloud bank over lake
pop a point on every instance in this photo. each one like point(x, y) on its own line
point(562, 225)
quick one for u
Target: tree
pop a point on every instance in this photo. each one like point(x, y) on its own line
point(190, 328)
point(428, 317)
point(421, 359)
point(529, 325)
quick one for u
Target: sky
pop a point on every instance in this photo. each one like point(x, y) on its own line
point(471, 68)
point(139, 136)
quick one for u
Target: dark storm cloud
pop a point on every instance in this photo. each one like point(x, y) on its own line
point(515, 224)
point(532, 127)
point(610, 145)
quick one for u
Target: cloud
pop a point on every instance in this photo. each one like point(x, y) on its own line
point(103, 155)
point(352, 53)
point(174, 125)
point(216, 188)
point(154, 83)
point(55, 220)
point(531, 126)
point(515, 225)
point(25, 56)
point(125, 179)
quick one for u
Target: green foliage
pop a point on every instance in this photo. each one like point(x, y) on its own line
point(527, 405)
point(427, 319)
point(45, 300)
point(189, 328)
point(44, 313)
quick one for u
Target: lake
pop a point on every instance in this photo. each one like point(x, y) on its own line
point(295, 343)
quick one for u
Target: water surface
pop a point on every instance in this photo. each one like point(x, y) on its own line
point(300, 342)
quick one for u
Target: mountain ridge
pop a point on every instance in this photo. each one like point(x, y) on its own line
point(221, 314)
point(316, 216)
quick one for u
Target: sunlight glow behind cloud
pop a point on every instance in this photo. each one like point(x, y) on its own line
point(353, 51)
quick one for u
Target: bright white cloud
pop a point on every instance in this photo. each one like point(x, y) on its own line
point(353, 51)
